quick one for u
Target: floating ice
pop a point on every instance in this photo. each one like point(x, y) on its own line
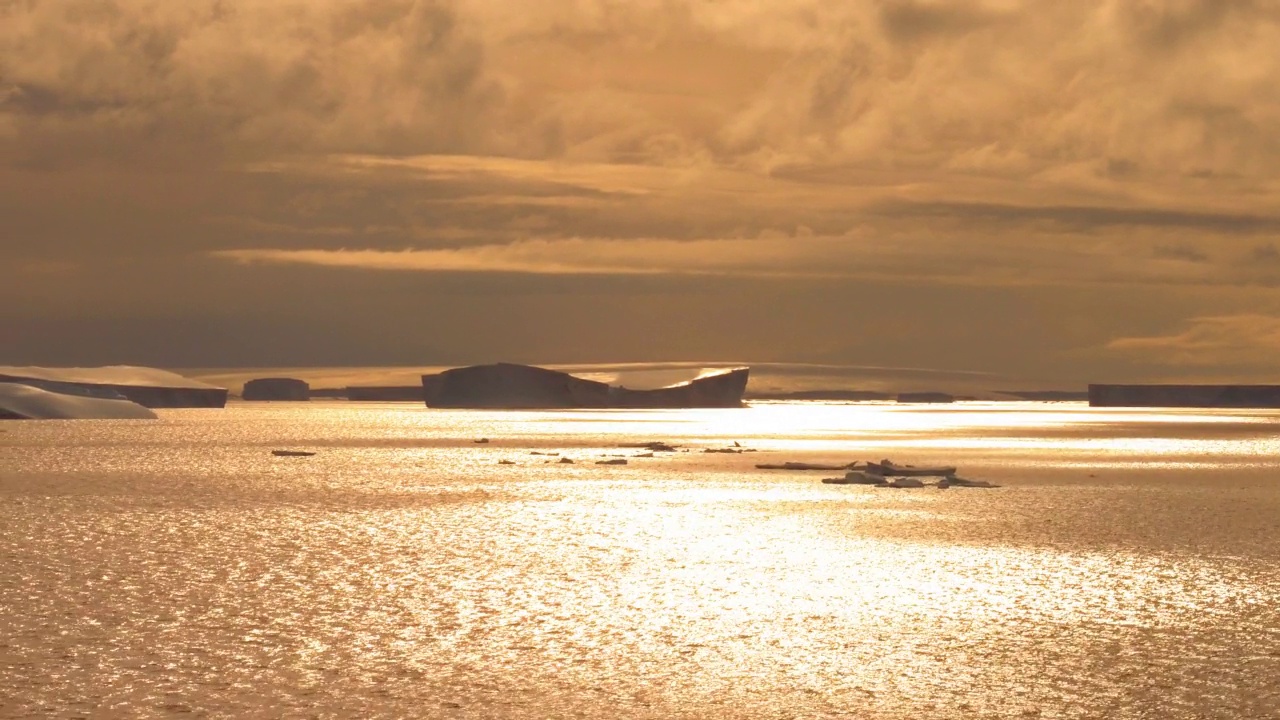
point(31, 403)
point(148, 387)
point(109, 375)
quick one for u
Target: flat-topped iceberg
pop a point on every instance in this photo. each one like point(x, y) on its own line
point(148, 387)
point(276, 388)
point(511, 386)
point(24, 402)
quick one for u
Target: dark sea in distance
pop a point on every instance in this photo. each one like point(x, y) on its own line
point(1126, 567)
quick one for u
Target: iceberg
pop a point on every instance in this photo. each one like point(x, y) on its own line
point(265, 389)
point(148, 387)
point(24, 402)
point(510, 386)
point(1188, 396)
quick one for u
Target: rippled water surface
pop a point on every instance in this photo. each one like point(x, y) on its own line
point(1126, 568)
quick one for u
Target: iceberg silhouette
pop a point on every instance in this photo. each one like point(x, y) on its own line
point(511, 386)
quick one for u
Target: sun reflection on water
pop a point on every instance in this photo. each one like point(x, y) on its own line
point(401, 571)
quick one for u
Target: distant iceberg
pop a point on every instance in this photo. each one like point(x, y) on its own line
point(148, 387)
point(511, 386)
point(276, 388)
point(25, 402)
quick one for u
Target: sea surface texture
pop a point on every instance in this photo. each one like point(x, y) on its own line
point(1128, 567)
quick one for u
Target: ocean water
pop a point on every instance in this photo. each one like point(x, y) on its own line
point(1127, 567)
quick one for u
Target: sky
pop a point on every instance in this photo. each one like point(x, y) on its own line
point(1049, 192)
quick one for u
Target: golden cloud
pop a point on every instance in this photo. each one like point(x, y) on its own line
point(1231, 340)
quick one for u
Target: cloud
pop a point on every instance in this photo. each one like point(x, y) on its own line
point(912, 20)
point(1168, 26)
point(1006, 146)
point(477, 214)
point(1265, 254)
point(1091, 217)
point(1185, 253)
point(606, 178)
point(1221, 341)
point(563, 257)
point(129, 81)
point(946, 258)
point(1045, 86)
point(994, 85)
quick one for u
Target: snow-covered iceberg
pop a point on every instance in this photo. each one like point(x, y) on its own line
point(25, 402)
point(148, 387)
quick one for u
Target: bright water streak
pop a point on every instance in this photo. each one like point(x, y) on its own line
point(1126, 568)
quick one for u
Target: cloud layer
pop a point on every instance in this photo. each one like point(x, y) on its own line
point(1243, 341)
point(1052, 151)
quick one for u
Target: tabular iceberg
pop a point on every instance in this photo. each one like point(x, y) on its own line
point(291, 389)
point(1189, 396)
point(510, 386)
point(148, 387)
point(24, 402)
